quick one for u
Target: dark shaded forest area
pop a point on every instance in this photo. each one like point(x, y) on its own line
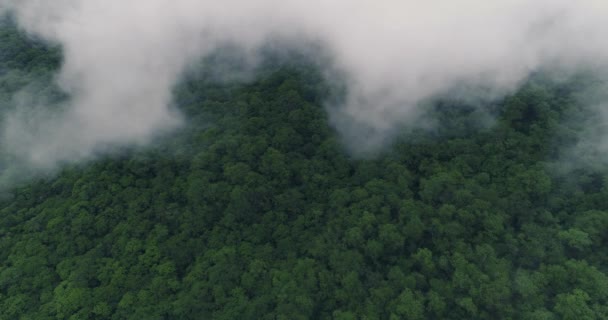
point(255, 211)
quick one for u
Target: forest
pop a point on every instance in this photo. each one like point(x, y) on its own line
point(256, 210)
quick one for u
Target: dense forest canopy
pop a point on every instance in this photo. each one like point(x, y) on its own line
point(254, 210)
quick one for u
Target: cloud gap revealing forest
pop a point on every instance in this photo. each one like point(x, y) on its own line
point(255, 210)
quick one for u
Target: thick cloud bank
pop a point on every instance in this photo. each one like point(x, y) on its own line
point(123, 56)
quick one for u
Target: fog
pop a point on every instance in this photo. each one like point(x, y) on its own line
point(122, 58)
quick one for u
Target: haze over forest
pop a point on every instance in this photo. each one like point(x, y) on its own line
point(292, 159)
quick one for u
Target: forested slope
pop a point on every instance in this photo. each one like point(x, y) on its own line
point(254, 211)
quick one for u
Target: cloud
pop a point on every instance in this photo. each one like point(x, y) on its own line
point(122, 57)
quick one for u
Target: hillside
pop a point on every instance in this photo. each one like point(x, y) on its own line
point(254, 210)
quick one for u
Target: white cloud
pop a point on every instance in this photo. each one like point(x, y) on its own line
point(123, 56)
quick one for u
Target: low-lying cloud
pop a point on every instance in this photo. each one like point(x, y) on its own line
point(122, 57)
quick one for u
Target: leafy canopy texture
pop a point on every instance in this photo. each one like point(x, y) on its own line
point(254, 211)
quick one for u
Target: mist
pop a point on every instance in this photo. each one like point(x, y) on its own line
point(123, 57)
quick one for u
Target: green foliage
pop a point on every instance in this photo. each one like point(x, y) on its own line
point(253, 211)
